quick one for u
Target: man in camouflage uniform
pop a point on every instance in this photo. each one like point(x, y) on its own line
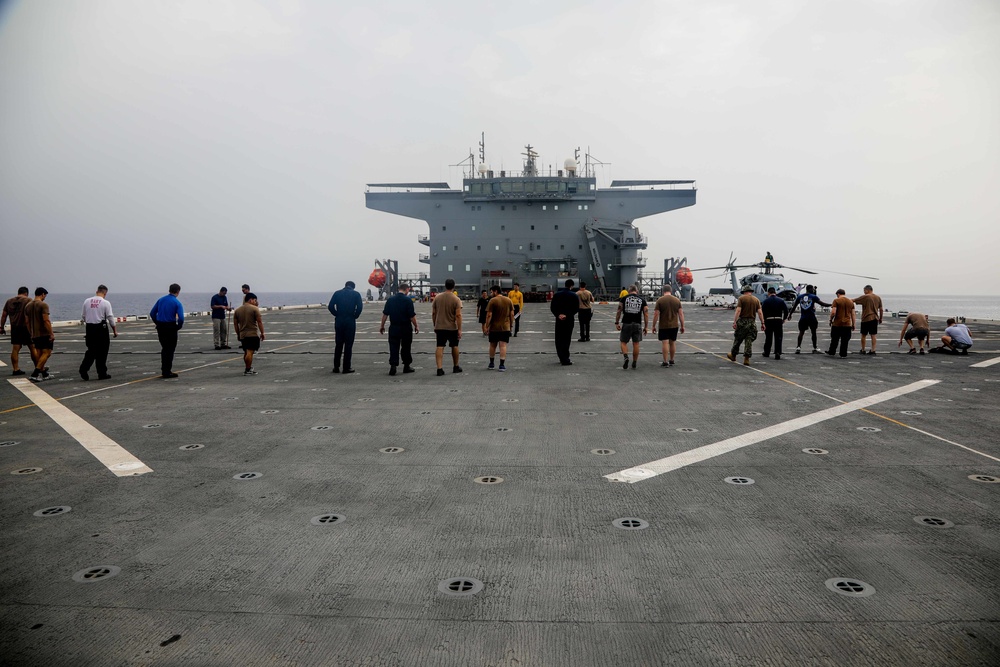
point(747, 311)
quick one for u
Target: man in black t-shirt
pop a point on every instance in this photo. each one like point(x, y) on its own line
point(632, 314)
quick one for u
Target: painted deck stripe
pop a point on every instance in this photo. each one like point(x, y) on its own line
point(117, 459)
point(988, 362)
point(654, 468)
point(2, 365)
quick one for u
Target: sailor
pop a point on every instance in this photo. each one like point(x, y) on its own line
point(632, 311)
point(842, 323)
point(957, 337)
point(499, 321)
point(769, 258)
point(586, 311)
point(775, 311)
point(246, 289)
point(36, 316)
point(517, 298)
point(249, 330)
point(484, 300)
point(345, 306)
point(19, 334)
point(806, 302)
point(871, 316)
point(446, 316)
point(98, 320)
point(402, 318)
point(565, 305)
point(747, 310)
point(669, 315)
point(220, 306)
point(919, 328)
point(168, 316)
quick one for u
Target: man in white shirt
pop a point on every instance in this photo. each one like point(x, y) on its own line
point(98, 319)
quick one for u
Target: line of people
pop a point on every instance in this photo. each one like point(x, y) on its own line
point(773, 312)
point(499, 317)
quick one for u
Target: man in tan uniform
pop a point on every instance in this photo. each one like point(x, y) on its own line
point(586, 312)
point(446, 315)
point(842, 321)
point(669, 315)
point(871, 316)
point(747, 310)
point(36, 316)
point(499, 320)
point(919, 328)
point(249, 329)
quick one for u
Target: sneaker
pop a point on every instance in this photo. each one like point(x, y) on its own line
point(407, 369)
point(965, 352)
point(456, 369)
point(816, 350)
point(921, 350)
point(167, 376)
point(731, 356)
point(35, 378)
point(633, 365)
point(347, 370)
point(226, 347)
point(671, 362)
point(392, 370)
point(250, 371)
point(767, 354)
point(103, 377)
point(335, 370)
point(746, 361)
point(798, 350)
point(440, 372)
point(490, 367)
point(85, 376)
point(664, 364)
point(830, 353)
point(625, 365)
point(912, 351)
point(871, 353)
point(777, 357)
point(501, 368)
point(581, 340)
point(218, 347)
point(566, 363)
point(20, 372)
point(862, 351)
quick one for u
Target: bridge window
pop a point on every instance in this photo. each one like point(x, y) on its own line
point(518, 186)
point(505, 186)
point(552, 186)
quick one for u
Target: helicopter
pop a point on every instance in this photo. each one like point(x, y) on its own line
point(766, 277)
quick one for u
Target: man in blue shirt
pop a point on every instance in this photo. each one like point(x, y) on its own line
point(401, 315)
point(345, 306)
point(806, 302)
point(168, 316)
point(220, 332)
point(775, 311)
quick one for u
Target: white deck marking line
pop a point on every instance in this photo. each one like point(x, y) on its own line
point(117, 459)
point(654, 468)
point(988, 362)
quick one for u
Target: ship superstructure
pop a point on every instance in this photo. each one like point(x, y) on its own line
point(533, 228)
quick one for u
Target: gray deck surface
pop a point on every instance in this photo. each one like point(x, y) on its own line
point(220, 571)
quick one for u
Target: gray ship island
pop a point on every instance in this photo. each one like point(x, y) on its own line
point(807, 511)
point(535, 228)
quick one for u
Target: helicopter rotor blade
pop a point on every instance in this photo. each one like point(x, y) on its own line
point(802, 270)
point(855, 275)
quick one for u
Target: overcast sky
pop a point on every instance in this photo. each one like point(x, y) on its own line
point(216, 142)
